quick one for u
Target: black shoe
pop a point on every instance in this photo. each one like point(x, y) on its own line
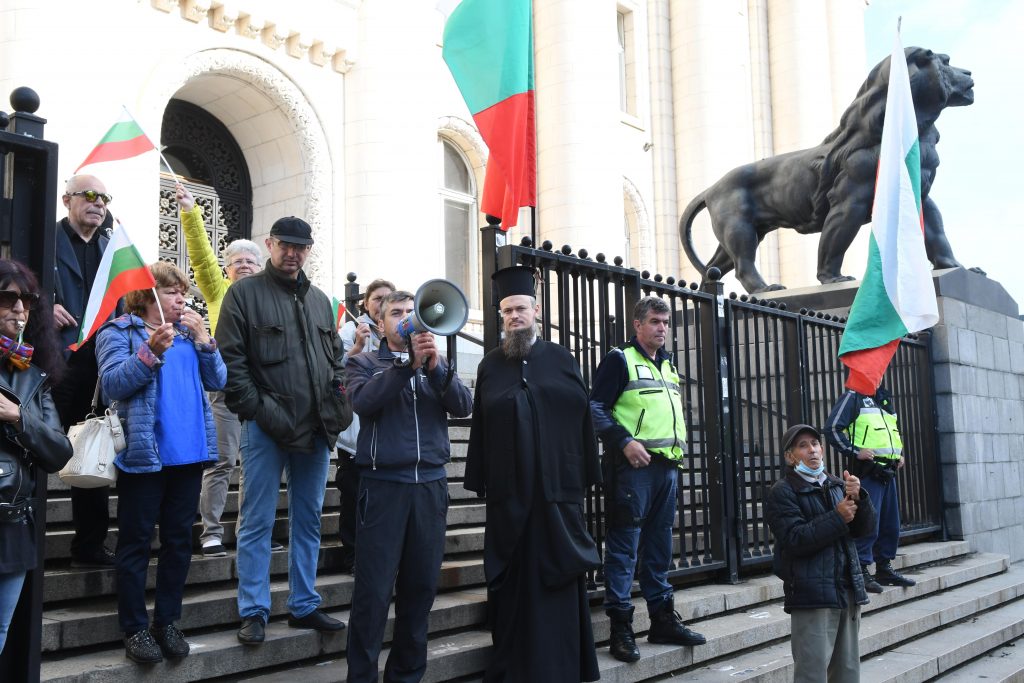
point(253, 631)
point(100, 559)
point(622, 642)
point(667, 627)
point(275, 546)
point(317, 620)
point(171, 641)
point(215, 550)
point(870, 585)
point(140, 647)
point(886, 575)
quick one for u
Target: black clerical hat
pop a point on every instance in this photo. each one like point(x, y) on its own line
point(513, 281)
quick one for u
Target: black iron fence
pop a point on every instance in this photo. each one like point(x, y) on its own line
point(750, 369)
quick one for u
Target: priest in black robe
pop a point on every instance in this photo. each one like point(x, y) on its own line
point(533, 455)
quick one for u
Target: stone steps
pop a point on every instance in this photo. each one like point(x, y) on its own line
point(1003, 664)
point(733, 617)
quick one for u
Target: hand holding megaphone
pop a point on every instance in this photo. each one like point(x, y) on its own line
point(423, 351)
point(439, 308)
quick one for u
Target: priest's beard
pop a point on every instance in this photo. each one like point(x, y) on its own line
point(517, 343)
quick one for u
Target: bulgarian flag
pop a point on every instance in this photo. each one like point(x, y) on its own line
point(488, 46)
point(338, 306)
point(124, 140)
point(897, 296)
point(121, 270)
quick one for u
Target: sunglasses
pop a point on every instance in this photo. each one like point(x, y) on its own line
point(28, 299)
point(92, 195)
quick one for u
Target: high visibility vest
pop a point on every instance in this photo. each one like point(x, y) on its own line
point(650, 406)
point(876, 429)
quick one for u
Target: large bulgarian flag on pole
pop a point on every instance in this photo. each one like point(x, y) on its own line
point(121, 270)
point(897, 296)
point(488, 46)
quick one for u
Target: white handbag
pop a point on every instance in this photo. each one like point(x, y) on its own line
point(96, 442)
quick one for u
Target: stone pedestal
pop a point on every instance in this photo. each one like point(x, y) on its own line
point(978, 356)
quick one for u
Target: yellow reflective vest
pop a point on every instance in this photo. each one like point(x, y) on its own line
point(650, 406)
point(876, 429)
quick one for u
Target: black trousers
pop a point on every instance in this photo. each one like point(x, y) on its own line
point(169, 498)
point(401, 532)
point(89, 507)
point(347, 482)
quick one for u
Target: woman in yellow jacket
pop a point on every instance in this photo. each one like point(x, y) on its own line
point(241, 259)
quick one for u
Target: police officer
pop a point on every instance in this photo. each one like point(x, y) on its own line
point(638, 413)
point(864, 429)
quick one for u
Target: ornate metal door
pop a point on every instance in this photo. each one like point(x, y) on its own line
point(203, 153)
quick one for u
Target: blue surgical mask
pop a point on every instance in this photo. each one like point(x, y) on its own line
point(804, 469)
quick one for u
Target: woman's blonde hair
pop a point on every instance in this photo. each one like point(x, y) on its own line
point(166, 275)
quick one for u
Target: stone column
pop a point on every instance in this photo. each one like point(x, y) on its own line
point(978, 351)
point(801, 107)
point(711, 104)
point(391, 162)
point(580, 197)
point(663, 152)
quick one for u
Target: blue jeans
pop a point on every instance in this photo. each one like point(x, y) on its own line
point(262, 464)
point(641, 520)
point(881, 545)
point(10, 591)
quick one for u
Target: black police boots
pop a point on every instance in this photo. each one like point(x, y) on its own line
point(870, 585)
point(667, 627)
point(886, 575)
point(622, 643)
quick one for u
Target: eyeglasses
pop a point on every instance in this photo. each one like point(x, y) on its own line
point(289, 246)
point(28, 299)
point(92, 195)
point(243, 262)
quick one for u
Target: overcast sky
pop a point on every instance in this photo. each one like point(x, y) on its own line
point(979, 186)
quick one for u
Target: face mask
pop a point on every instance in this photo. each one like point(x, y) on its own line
point(804, 469)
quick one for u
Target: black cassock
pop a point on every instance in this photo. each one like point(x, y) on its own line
point(533, 454)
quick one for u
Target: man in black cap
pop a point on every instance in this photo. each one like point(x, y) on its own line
point(286, 383)
point(814, 517)
point(533, 455)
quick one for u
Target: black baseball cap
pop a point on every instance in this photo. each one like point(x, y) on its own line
point(293, 230)
point(796, 430)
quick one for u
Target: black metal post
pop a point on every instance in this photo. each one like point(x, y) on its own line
point(490, 237)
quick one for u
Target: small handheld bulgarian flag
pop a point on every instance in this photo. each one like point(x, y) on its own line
point(121, 270)
point(124, 140)
point(897, 296)
point(338, 306)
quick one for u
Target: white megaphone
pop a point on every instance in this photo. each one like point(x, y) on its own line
point(440, 307)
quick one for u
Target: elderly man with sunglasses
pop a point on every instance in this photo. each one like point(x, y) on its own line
point(80, 245)
point(242, 258)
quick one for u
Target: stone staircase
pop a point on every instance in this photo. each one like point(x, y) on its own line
point(960, 621)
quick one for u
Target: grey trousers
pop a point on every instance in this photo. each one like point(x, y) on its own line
point(217, 479)
point(825, 644)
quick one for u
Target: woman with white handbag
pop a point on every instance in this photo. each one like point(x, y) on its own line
point(158, 361)
point(30, 430)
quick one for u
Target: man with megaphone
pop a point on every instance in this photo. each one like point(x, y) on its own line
point(403, 395)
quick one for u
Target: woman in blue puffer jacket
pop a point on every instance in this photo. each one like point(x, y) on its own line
point(157, 362)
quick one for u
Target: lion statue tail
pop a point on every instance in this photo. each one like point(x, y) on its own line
point(686, 231)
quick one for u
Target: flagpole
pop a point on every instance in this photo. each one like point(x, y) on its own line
point(536, 141)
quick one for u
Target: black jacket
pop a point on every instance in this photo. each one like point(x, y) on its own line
point(815, 555)
point(403, 431)
point(283, 353)
point(70, 282)
point(41, 442)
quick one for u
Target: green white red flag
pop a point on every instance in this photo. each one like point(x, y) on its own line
point(121, 270)
point(124, 140)
point(488, 46)
point(338, 306)
point(897, 296)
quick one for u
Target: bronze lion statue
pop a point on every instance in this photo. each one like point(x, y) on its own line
point(830, 188)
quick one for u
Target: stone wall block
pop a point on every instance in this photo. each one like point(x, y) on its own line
point(942, 375)
point(1001, 354)
point(980, 381)
point(1013, 490)
point(955, 521)
point(987, 322)
point(953, 312)
point(1017, 357)
point(967, 342)
point(986, 354)
point(944, 344)
point(1011, 387)
point(1015, 330)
